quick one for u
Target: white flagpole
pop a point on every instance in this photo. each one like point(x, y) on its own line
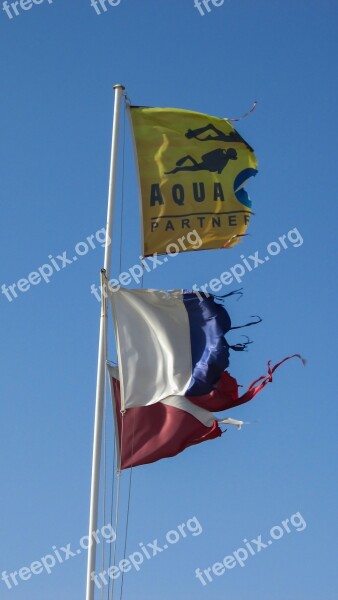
point(102, 354)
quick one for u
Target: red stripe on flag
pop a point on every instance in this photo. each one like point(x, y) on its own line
point(225, 394)
point(158, 431)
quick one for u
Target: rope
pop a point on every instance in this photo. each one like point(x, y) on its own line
point(111, 511)
point(104, 481)
point(128, 508)
point(112, 560)
point(245, 114)
point(126, 531)
point(118, 494)
point(104, 309)
point(122, 190)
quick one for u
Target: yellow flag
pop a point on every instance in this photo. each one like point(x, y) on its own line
point(192, 168)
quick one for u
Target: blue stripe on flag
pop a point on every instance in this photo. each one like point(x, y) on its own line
point(209, 322)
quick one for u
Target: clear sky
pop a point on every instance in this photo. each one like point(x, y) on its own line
point(59, 61)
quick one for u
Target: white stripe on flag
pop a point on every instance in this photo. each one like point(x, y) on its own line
point(204, 416)
point(153, 345)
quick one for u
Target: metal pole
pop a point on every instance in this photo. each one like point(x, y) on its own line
point(102, 354)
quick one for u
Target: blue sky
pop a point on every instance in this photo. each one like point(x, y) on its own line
point(59, 63)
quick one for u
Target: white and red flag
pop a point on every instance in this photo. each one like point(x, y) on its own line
point(172, 356)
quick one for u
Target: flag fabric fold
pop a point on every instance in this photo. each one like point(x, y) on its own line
point(162, 430)
point(171, 376)
point(225, 396)
point(168, 343)
point(192, 170)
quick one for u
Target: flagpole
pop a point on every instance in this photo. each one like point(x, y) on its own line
point(102, 353)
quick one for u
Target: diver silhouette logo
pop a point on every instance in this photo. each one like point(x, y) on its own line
point(216, 135)
point(214, 161)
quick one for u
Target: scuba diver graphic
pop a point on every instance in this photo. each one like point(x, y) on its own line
point(214, 161)
point(218, 136)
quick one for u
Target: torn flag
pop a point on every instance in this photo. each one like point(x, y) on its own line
point(168, 343)
point(172, 359)
point(164, 429)
point(192, 171)
point(160, 430)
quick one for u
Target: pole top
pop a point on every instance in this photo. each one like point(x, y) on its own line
point(119, 85)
